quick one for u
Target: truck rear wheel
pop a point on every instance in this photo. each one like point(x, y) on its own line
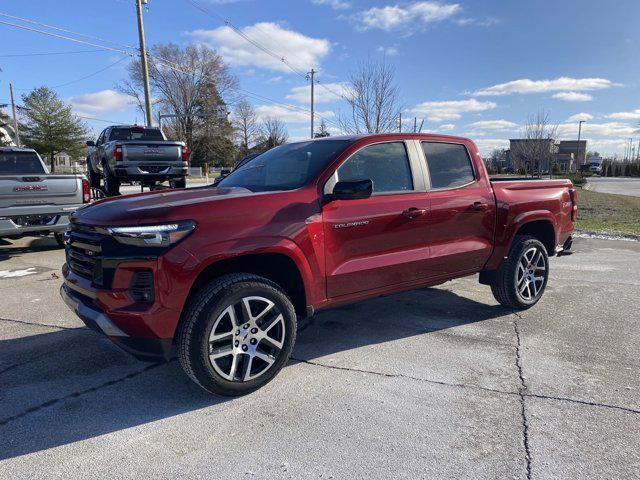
point(522, 277)
point(236, 334)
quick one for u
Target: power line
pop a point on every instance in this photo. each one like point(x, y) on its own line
point(53, 27)
point(242, 34)
point(44, 54)
point(165, 62)
point(83, 78)
point(63, 37)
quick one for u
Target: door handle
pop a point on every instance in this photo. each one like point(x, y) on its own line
point(479, 207)
point(414, 212)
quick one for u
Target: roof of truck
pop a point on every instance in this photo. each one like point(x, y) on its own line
point(16, 149)
point(412, 135)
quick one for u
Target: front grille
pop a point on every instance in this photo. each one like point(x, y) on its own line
point(84, 252)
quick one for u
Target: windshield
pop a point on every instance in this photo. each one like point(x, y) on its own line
point(20, 163)
point(286, 167)
point(124, 134)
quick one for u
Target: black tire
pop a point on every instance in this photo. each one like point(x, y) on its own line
point(59, 238)
point(507, 289)
point(93, 177)
point(208, 309)
point(180, 183)
point(111, 183)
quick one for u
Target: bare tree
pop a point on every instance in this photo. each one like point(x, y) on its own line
point(373, 99)
point(537, 146)
point(274, 132)
point(245, 122)
point(191, 84)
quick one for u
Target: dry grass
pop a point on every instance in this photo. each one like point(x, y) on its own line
point(608, 213)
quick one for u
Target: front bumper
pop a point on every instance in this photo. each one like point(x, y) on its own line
point(145, 349)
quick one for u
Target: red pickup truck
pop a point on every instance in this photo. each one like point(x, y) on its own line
point(220, 275)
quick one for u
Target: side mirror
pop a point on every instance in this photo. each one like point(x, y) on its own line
point(352, 190)
point(91, 143)
point(225, 172)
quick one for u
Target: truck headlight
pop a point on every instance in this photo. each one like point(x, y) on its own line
point(163, 235)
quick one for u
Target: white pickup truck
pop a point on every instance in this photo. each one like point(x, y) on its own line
point(32, 201)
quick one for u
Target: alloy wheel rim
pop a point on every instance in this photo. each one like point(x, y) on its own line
point(530, 274)
point(246, 339)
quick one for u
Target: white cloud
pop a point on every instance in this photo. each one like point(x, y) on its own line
point(573, 96)
point(299, 50)
point(560, 84)
point(335, 4)
point(445, 127)
point(100, 102)
point(388, 51)
point(633, 115)
point(487, 145)
point(289, 115)
point(494, 125)
point(450, 110)
point(487, 22)
point(580, 116)
point(323, 93)
point(413, 15)
point(607, 129)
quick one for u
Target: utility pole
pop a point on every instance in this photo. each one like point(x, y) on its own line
point(400, 123)
point(415, 124)
point(145, 65)
point(312, 74)
point(15, 119)
point(578, 144)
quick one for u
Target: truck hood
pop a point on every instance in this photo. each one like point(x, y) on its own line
point(163, 206)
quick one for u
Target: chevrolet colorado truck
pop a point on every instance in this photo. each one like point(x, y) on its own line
point(220, 275)
point(33, 202)
point(136, 153)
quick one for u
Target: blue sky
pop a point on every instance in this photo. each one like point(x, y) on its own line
point(472, 68)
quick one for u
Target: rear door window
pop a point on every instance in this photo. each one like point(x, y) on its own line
point(449, 164)
point(385, 164)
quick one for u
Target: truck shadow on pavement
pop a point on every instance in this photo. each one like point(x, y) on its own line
point(71, 385)
point(8, 249)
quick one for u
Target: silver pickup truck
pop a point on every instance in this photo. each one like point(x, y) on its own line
point(33, 202)
point(135, 153)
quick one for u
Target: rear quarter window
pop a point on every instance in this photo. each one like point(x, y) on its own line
point(449, 164)
point(20, 163)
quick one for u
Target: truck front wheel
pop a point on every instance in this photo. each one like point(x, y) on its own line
point(236, 334)
point(111, 183)
point(179, 183)
point(522, 277)
point(94, 177)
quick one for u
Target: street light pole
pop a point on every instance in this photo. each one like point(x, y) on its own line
point(578, 144)
point(312, 74)
point(143, 62)
point(15, 119)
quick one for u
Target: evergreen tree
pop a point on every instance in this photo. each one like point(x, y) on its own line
point(50, 127)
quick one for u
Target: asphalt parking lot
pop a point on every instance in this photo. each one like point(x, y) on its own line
point(436, 383)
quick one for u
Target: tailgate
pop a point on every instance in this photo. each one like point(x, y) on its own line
point(39, 190)
point(152, 151)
